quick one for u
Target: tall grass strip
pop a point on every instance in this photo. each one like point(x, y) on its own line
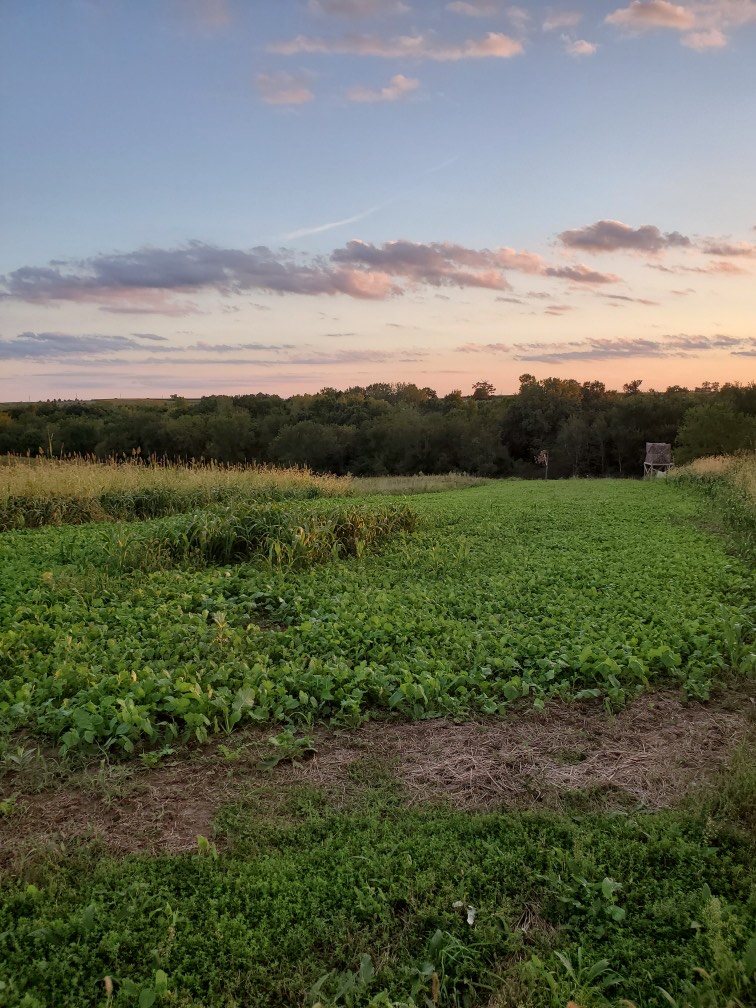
point(729, 485)
point(40, 491)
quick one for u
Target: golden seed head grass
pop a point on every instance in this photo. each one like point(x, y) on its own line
point(81, 477)
point(739, 469)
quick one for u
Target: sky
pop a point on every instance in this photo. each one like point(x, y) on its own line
point(205, 197)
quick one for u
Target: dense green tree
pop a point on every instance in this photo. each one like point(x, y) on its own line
point(714, 428)
point(322, 447)
point(187, 436)
point(483, 390)
point(403, 428)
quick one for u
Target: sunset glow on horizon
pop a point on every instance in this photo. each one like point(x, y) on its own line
point(224, 197)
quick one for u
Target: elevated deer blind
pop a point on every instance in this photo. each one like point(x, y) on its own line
point(658, 458)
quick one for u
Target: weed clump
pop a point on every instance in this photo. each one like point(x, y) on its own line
point(234, 533)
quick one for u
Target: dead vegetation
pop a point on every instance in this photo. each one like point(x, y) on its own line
point(652, 754)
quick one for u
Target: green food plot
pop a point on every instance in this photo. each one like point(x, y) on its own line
point(372, 907)
point(502, 594)
point(506, 591)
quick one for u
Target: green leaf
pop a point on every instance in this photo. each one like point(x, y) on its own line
point(608, 888)
point(367, 970)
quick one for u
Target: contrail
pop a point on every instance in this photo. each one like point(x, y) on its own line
point(301, 232)
point(339, 223)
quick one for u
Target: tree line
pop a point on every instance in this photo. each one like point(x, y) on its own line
point(399, 428)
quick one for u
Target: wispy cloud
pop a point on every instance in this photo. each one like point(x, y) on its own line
point(331, 225)
point(57, 345)
point(724, 248)
point(494, 348)
point(614, 236)
point(236, 347)
point(712, 38)
point(225, 356)
point(284, 88)
point(358, 8)
point(561, 19)
point(212, 14)
point(633, 300)
point(143, 303)
point(681, 345)
point(475, 8)
point(721, 268)
point(358, 357)
point(581, 274)
point(397, 88)
point(90, 349)
point(419, 47)
point(517, 16)
point(343, 221)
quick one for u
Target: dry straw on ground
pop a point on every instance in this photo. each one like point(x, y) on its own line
point(652, 753)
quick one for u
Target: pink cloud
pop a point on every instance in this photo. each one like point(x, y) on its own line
point(720, 267)
point(358, 8)
point(522, 262)
point(645, 14)
point(678, 346)
point(562, 19)
point(579, 47)
point(742, 248)
point(209, 13)
point(492, 45)
point(474, 8)
point(723, 268)
point(437, 264)
point(702, 25)
point(614, 236)
point(712, 38)
point(284, 88)
point(581, 274)
point(397, 88)
point(365, 284)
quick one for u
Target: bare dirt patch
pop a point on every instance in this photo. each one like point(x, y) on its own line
point(652, 753)
point(158, 811)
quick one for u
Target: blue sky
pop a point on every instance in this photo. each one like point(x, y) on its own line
point(205, 196)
